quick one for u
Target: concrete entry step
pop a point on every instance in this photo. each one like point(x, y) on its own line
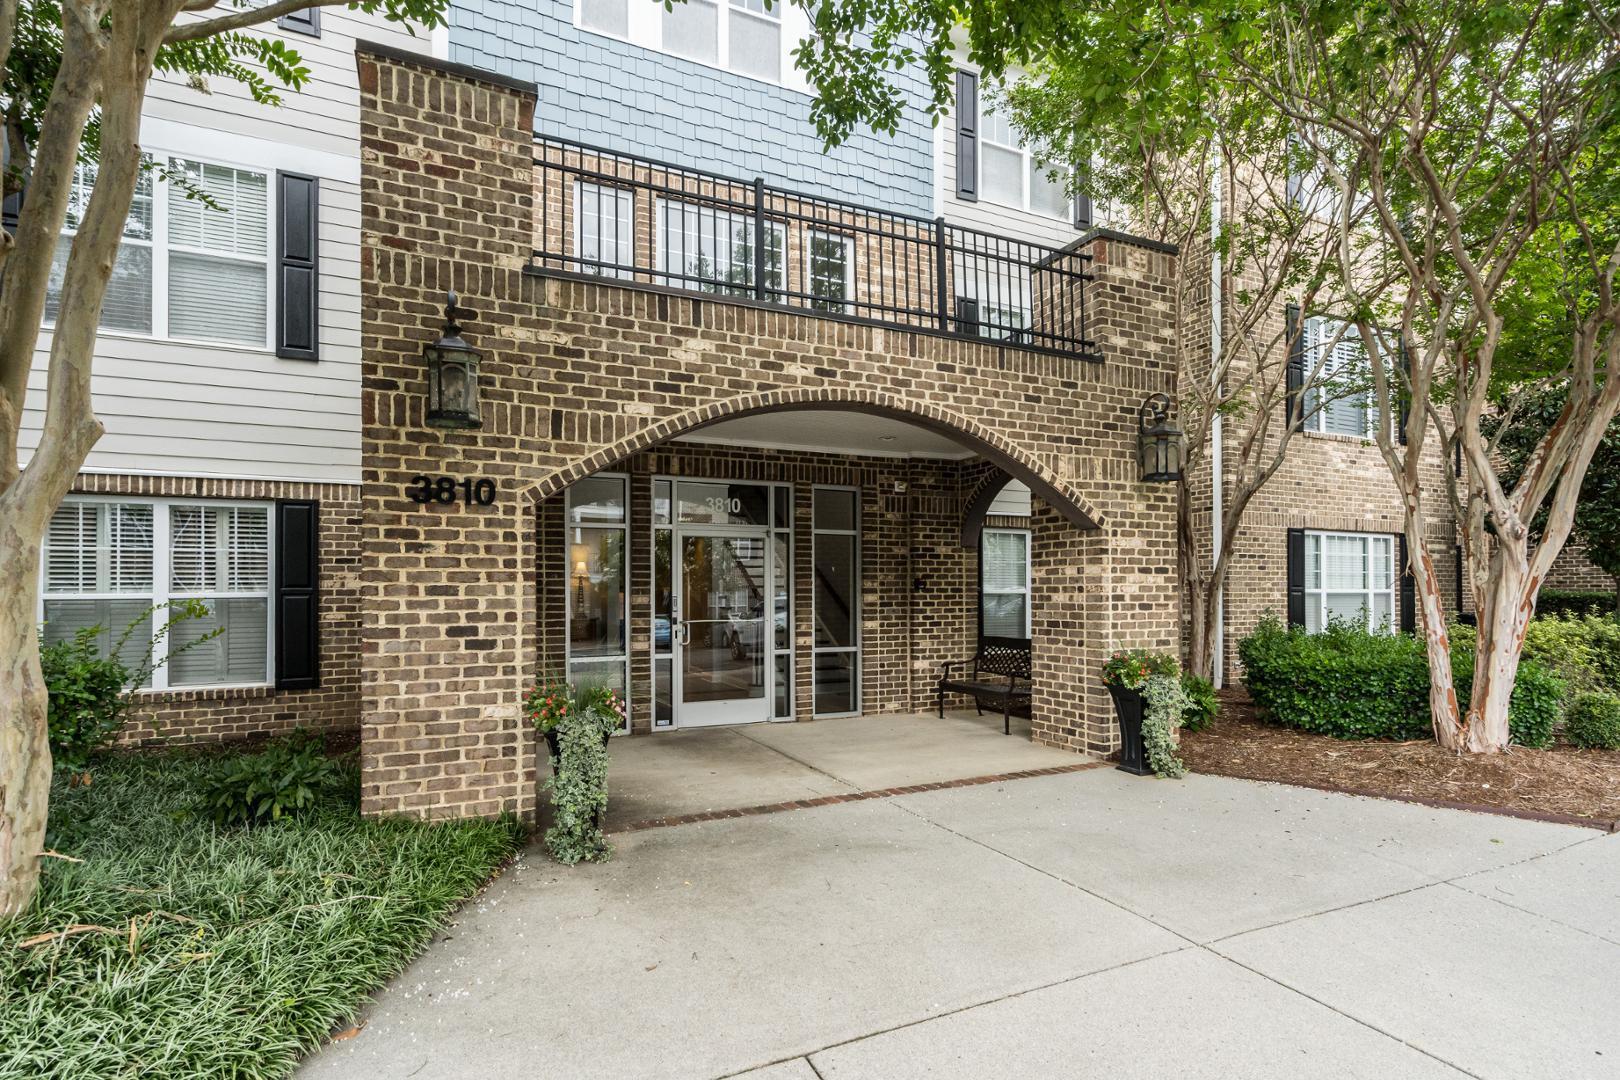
point(701, 774)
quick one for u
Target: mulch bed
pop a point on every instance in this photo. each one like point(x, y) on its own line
point(1559, 783)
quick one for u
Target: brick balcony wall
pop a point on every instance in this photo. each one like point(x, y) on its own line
point(580, 375)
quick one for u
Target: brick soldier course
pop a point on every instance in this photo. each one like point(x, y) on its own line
point(583, 375)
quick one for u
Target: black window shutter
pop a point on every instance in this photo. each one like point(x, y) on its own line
point(1408, 592)
point(307, 21)
point(297, 595)
point(1082, 202)
point(967, 316)
point(297, 256)
point(1295, 331)
point(967, 136)
point(1296, 577)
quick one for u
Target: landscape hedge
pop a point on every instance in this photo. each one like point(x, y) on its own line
point(1575, 602)
point(1352, 684)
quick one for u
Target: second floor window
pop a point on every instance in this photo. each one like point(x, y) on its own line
point(1012, 176)
point(185, 269)
point(744, 36)
point(1341, 400)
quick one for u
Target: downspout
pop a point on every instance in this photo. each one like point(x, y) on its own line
point(1218, 645)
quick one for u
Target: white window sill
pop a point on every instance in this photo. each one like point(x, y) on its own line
point(1060, 219)
point(188, 343)
point(1335, 436)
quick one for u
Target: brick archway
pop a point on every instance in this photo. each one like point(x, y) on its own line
point(978, 506)
point(1014, 460)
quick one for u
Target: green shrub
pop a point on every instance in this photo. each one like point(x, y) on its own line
point(91, 695)
point(88, 698)
point(1353, 684)
point(1203, 706)
point(283, 781)
point(1594, 721)
point(1575, 602)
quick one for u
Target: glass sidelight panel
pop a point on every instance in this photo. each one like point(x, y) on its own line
point(836, 613)
point(596, 616)
point(835, 682)
point(723, 617)
point(837, 591)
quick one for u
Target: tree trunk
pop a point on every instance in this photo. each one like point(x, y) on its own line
point(1502, 626)
point(25, 782)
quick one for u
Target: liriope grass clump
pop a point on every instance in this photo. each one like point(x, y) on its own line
point(162, 944)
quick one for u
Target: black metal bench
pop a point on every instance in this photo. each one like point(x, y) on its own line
point(1000, 674)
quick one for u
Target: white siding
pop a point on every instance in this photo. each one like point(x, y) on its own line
point(201, 410)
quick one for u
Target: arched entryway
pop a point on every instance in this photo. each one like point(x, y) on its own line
point(831, 583)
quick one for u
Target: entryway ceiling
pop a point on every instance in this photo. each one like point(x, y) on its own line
point(831, 431)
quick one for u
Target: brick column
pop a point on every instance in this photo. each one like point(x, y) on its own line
point(447, 641)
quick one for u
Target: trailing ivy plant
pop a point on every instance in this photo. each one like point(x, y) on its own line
point(1166, 703)
point(1157, 676)
point(579, 773)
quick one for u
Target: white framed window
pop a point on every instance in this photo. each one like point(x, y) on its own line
point(754, 38)
point(1004, 585)
point(712, 250)
point(999, 291)
point(185, 270)
point(1349, 577)
point(1011, 175)
point(1339, 400)
point(751, 38)
point(604, 16)
point(108, 562)
point(829, 270)
point(605, 229)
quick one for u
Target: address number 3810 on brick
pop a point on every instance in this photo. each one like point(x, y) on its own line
point(448, 489)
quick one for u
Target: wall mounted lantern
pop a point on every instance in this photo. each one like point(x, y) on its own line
point(452, 375)
point(1158, 441)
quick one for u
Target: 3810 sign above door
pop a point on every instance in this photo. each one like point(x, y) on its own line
point(447, 489)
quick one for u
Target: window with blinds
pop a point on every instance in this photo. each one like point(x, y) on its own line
point(1340, 401)
point(114, 565)
point(194, 260)
point(1004, 583)
point(1349, 577)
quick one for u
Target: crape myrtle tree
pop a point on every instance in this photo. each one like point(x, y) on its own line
point(1450, 138)
point(1480, 135)
point(75, 74)
point(1182, 158)
point(1518, 428)
point(1180, 154)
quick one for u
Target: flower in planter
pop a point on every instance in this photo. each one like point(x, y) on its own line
point(1157, 677)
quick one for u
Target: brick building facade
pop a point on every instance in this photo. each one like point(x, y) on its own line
point(584, 378)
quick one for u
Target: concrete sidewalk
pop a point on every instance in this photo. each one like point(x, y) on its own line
point(1090, 924)
point(677, 773)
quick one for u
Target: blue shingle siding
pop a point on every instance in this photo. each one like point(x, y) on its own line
point(600, 90)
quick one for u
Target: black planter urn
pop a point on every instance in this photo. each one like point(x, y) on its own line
point(554, 744)
point(1128, 706)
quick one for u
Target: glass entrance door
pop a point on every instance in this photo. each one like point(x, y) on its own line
point(720, 643)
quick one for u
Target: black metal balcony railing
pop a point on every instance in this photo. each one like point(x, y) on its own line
point(613, 215)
